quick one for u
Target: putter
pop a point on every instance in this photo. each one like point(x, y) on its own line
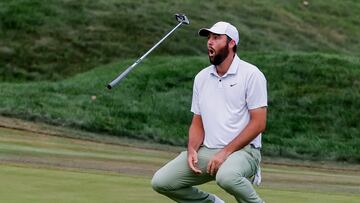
point(181, 18)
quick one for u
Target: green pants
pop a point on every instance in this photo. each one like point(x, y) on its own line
point(176, 179)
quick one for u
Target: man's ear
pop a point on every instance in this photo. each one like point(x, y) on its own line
point(232, 43)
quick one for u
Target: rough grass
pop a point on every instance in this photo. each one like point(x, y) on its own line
point(56, 39)
point(313, 102)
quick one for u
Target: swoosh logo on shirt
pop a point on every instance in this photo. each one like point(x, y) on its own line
point(232, 85)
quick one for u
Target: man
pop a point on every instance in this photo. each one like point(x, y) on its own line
point(229, 105)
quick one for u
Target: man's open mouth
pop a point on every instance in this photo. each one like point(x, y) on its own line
point(211, 52)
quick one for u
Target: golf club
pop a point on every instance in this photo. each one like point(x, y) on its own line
point(181, 18)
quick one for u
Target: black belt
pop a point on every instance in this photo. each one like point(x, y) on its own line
point(253, 146)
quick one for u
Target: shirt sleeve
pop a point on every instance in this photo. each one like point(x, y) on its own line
point(256, 92)
point(195, 106)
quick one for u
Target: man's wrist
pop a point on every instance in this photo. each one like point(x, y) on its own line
point(191, 149)
point(227, 151)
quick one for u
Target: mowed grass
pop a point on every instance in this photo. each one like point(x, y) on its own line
point(37, 167)
point(39, 185)
point(26, 184)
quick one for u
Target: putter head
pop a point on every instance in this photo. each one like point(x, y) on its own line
point(181, 18)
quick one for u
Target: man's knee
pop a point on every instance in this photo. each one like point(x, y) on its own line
point(162, 183)
point(157, 183)
point(227, 179)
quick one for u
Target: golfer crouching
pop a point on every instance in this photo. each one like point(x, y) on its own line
point(229, 103)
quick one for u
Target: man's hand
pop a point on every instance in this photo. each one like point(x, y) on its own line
point(193, 160)
point(215, 162)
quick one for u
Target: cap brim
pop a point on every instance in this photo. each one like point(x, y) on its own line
point(204, 32)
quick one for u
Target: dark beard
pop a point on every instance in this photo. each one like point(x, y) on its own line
point(220, 57)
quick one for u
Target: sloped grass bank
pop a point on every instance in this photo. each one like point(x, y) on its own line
point(56, 39)
point(313, 102)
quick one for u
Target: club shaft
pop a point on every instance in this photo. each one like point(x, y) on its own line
point(130, 68)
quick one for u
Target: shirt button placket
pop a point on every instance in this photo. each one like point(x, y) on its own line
point(220, 83)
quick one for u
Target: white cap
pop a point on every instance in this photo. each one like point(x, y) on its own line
point(222, 28)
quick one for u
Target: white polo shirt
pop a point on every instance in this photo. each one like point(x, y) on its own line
point(224, 102)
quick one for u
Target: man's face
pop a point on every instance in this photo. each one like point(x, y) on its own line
point(218, 48)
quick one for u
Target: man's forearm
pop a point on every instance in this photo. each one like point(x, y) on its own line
point(196, 133)
point(256, 126)
point(243, 139)
point(196, 138)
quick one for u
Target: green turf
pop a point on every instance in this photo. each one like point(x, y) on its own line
point(39, 185)
point(24, 184)
point(41, 168)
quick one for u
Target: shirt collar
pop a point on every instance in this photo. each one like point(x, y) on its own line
point(232, 69)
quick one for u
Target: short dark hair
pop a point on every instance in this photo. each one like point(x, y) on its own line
point(228, 40)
